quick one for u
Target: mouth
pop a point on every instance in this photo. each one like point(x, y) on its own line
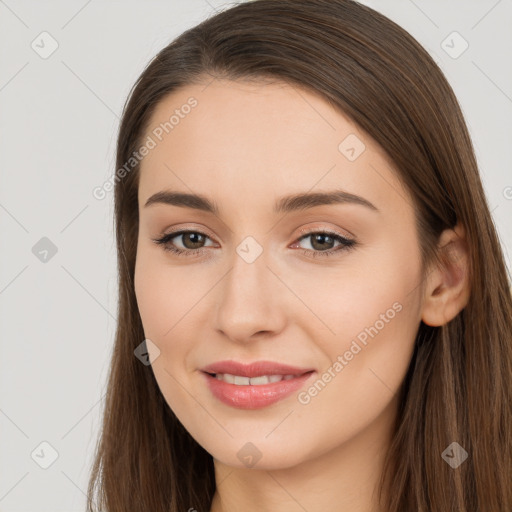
point(240, 380)
point(255, 369)
point(243, 392)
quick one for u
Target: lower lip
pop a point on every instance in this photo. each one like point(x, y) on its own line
point(254, 397)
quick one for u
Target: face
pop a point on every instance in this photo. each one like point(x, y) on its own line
point(330, 288)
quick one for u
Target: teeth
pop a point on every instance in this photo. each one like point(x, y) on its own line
point(253, 381)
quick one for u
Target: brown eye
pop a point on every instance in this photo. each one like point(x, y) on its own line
point(192, 242)
point(192, 239)
point(322, 243)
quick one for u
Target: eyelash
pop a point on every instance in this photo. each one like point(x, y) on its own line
point(346, 243)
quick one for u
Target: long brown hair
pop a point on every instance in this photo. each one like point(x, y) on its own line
point(459, 383)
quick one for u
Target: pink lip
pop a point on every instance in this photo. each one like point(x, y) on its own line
point(258, 396)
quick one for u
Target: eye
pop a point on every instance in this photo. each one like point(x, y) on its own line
point(192, 242)
point(323, 240)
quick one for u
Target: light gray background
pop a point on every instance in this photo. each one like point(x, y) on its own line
point(58, 124)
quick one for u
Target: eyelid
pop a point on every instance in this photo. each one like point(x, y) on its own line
point(323, 229)
point(180, 228)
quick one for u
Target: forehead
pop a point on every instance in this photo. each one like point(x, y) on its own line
point(239, 140)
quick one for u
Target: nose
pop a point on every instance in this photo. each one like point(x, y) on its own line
point(250, 301)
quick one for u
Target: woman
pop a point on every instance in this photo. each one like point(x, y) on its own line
point(314, 309)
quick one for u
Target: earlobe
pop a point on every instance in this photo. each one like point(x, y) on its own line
point(447, 288)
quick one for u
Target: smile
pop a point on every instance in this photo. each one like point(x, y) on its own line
point(252, 381)
point(254, 392)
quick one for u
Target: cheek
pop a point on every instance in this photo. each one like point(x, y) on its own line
point(365, 364)
point(151, 300)
point(367, 312)
point(375, 289)
point(163, 301)
point(169, 300)
point(164, 296)
point(375, 318)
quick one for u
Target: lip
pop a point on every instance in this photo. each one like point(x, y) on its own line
point(256, 369)
point(254, 396)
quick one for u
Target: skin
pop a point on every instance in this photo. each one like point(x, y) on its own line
point(245, 145)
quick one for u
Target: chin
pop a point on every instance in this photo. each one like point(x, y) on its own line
point(259, 456)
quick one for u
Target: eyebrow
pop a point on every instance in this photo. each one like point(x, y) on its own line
point(295, 202)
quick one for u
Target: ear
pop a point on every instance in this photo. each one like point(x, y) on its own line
point(447, 285)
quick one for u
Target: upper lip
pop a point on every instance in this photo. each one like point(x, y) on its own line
point(256, 369)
